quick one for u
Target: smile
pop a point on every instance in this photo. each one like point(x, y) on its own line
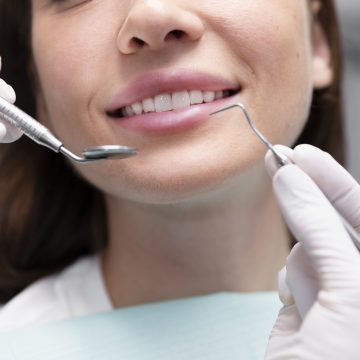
point(170, 101)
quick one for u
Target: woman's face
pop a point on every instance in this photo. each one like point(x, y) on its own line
point(95, 57)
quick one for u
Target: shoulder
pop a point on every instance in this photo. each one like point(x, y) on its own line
point(75, 291)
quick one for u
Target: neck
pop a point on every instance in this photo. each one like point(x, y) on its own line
point(160, 252)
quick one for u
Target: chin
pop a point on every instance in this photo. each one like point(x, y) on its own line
point(160, 180)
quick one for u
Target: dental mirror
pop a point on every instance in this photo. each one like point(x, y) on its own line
point(42, 136)
point(104, 152)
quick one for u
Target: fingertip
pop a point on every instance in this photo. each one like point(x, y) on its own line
point(285, 150)
point(271, 163)
point(284, 291)
point(7, 92)
point(11, 94)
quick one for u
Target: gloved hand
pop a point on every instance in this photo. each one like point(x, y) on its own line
point(320, 286)
point(8, 133)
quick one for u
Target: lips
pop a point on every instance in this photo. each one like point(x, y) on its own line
point(126, 106)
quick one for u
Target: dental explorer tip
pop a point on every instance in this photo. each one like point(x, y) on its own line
point(228, 108)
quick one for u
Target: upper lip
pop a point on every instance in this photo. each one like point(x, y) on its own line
point(155, 83)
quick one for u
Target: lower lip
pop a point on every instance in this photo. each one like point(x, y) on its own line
point(174, 121)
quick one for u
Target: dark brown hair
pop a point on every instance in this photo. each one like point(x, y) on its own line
point(48, 215)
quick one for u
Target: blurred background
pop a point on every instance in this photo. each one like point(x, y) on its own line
point(350, 20)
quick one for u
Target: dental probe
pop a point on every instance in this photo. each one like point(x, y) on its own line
point(42, 136)
point(283, 160)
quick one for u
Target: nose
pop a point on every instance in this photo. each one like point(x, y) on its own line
point(155, 24)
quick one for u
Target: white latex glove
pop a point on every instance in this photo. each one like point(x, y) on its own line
point(320, 286)
point(8, 133)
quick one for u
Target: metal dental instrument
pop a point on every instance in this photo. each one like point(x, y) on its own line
point(283, 160)
point(280, 158)
point(41, 135)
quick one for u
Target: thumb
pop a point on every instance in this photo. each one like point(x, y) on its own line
point(317, 226)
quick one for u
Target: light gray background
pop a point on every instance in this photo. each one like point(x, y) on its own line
point(350, 21)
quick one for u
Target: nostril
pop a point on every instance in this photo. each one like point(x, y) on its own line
point(138, 42)
point(177, 34)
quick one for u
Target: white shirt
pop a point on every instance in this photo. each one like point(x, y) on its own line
point(77, 290)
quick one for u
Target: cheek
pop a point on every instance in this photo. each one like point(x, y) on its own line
point(59, 60)
point(69, 71)
point(274, 47)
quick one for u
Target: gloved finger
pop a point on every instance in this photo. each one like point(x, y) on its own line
point(281, 338)
point(315, 223)
point(7, 92)
point(8, 133)
point(335, 182)
point(270, 162)
point(301, 279)
point(285, 294)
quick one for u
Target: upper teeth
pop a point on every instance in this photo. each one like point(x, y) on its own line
point(172, 101)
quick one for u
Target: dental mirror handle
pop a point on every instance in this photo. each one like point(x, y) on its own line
point(29, 126)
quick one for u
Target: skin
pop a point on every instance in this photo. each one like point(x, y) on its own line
point(194, 212)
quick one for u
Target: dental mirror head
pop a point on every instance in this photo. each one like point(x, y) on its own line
point(103, 152)
point(281, 159)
